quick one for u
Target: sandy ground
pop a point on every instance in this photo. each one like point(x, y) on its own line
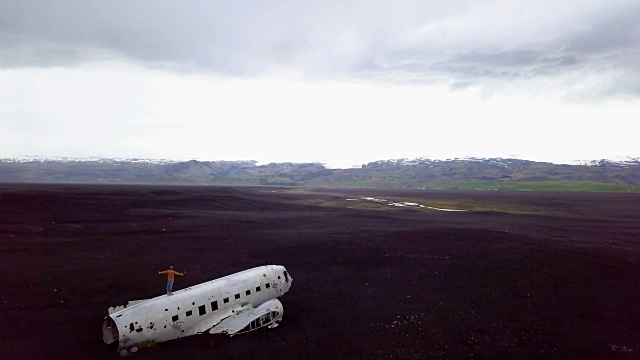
point(526, 275)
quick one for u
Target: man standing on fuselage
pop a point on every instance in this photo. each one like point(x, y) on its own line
point(170, 273)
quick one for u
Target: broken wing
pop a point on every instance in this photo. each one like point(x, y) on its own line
point(249, 319)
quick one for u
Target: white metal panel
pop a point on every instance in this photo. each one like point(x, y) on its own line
point(152, 320)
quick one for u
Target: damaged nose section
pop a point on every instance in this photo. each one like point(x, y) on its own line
point(109, 331)
point(288, 279)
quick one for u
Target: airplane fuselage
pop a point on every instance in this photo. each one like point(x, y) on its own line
point(200, 308)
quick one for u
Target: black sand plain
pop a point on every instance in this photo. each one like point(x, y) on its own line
point(523, 275)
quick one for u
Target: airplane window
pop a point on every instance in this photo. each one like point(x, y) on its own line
point(248, 292)
point(237, 296)
point(202, 310)
point(226, 300)
point(278, 277)
point(267, 285)
point(257, 288)
point(174, 318)
point(189, 313)
point(214, 305)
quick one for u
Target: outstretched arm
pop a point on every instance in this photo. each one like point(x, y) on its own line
point(177, 273)
point(162, 272)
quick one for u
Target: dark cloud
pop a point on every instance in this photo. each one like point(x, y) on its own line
point(369, 39)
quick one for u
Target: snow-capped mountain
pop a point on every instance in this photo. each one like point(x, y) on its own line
point(26, 159)
point(619, 161)
point(401, 173)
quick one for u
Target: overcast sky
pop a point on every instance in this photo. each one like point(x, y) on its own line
point(341, 82)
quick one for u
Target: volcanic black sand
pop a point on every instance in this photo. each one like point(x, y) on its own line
point(527, 275)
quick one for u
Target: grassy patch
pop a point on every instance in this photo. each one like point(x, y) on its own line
point(586, 186)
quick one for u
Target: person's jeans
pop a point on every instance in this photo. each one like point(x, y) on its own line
point(169, 286)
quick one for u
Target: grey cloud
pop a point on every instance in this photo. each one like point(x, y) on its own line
point(455, 86)
point(33, 52)
point(169, 32)
point(508, 65)
point(608, 48)
point(502, 59)
point(223, 36)
point(362, 39)
point(619, 30)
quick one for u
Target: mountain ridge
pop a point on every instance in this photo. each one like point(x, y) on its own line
point(619, 161)
point(510, 173)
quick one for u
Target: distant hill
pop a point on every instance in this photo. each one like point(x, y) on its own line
point(467, 173)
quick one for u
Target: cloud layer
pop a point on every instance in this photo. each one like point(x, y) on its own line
point(581, 49)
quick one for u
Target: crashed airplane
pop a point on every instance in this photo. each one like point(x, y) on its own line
point(231, 305)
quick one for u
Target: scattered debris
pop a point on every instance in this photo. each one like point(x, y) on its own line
point(621, 348)
point(402, 204)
